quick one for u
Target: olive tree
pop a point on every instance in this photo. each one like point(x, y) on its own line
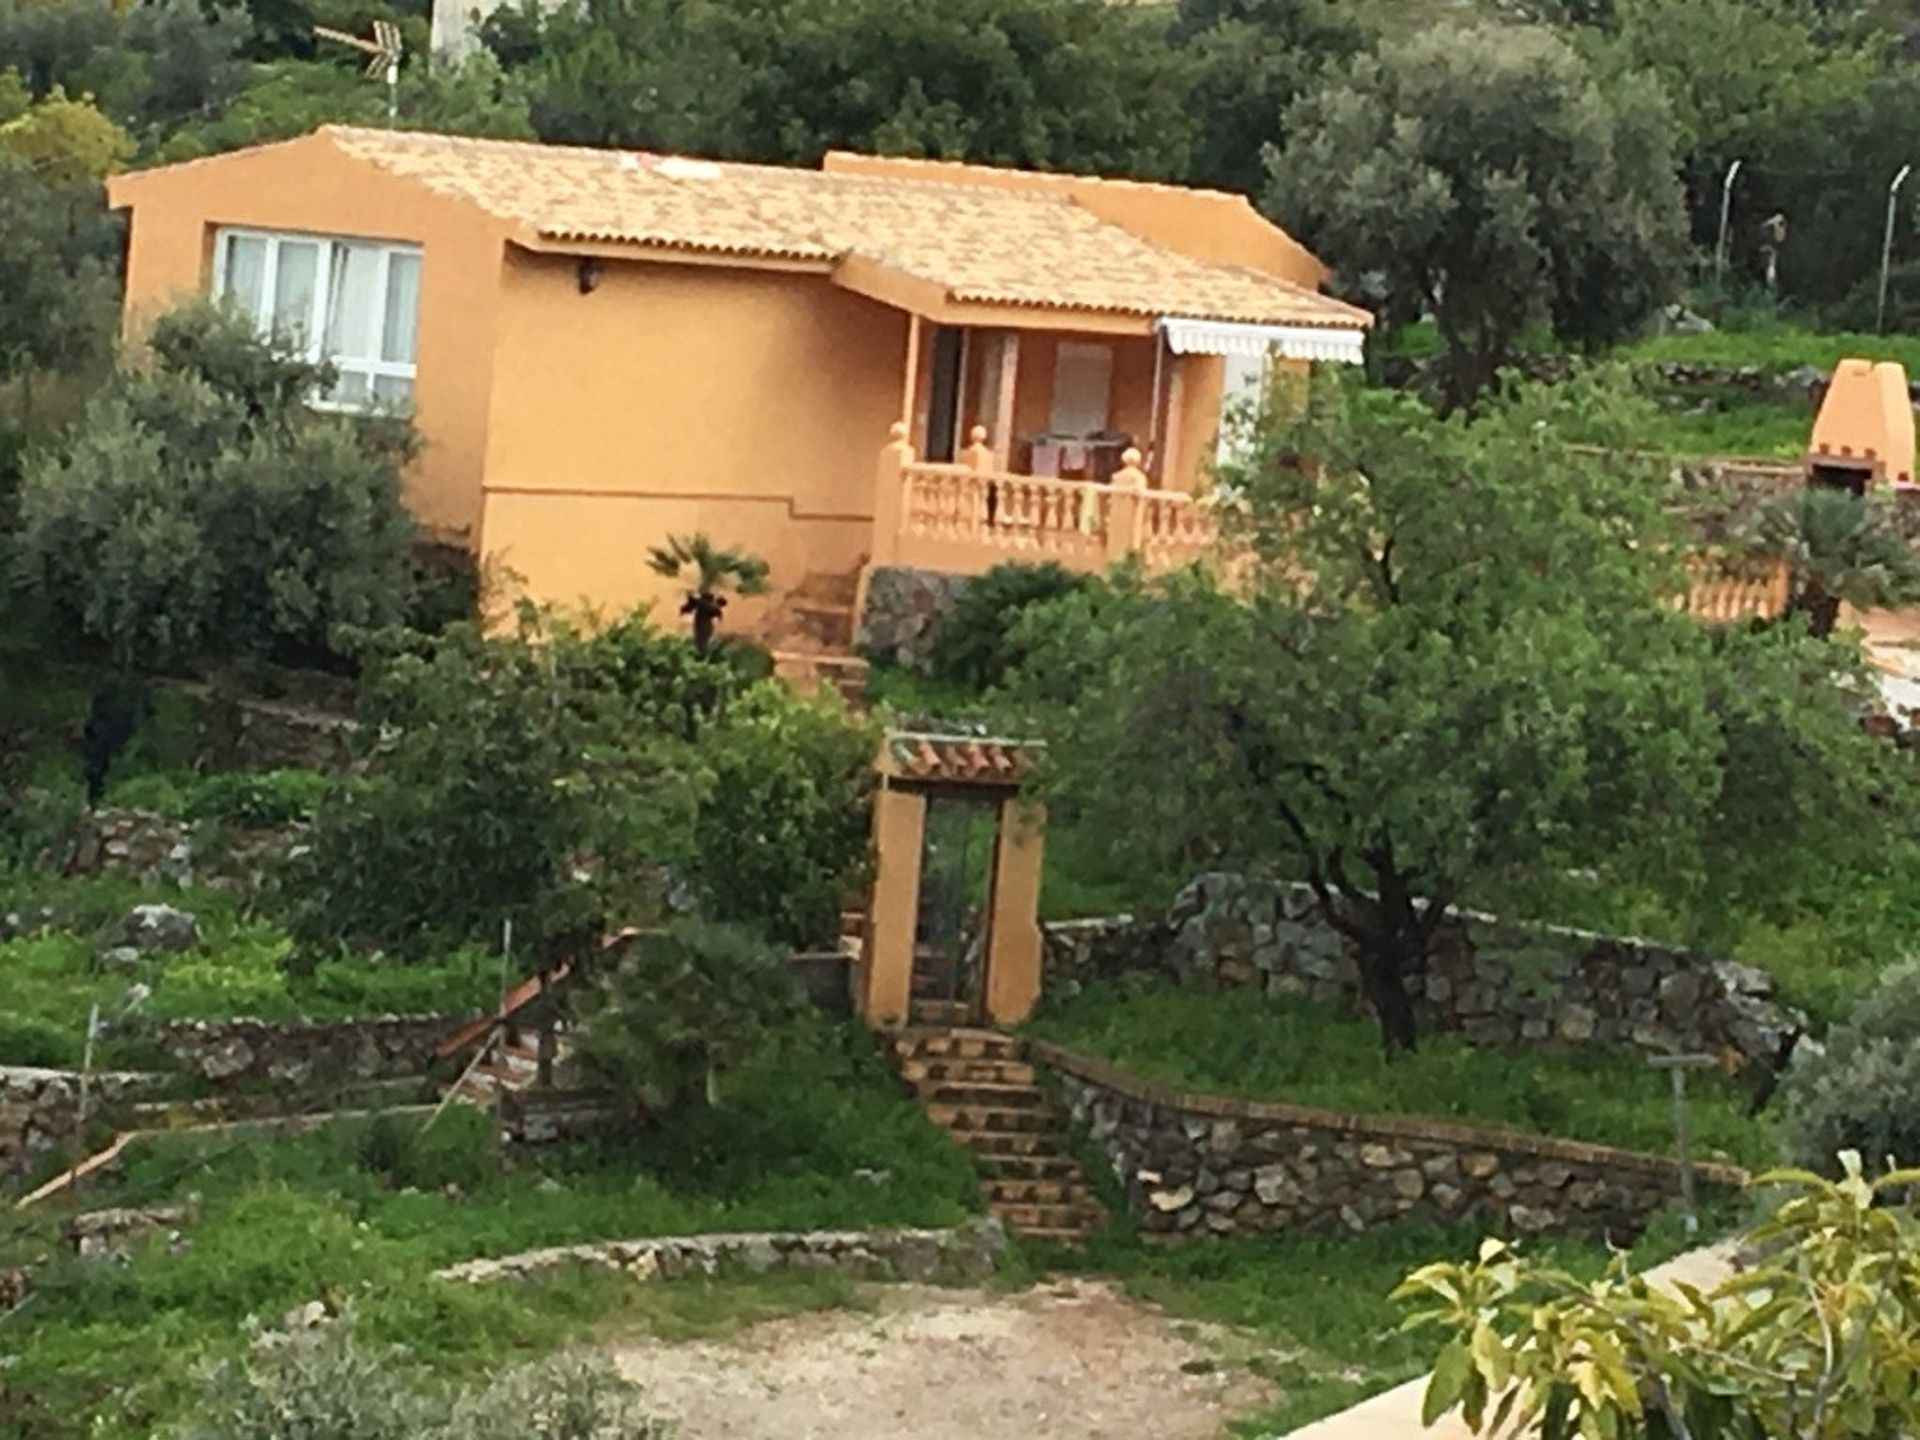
point(1488, 178)
point(200, 512)
point(1450, 668)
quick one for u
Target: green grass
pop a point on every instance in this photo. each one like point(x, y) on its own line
point(1775, 346)
point(48, 981)
point(1312, 1311)
point(1232, 1042)
point(815, 1133)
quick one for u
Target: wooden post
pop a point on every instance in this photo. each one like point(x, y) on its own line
point(1126, 507)
point(890, 495)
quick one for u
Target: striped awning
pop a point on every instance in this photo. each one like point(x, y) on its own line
point(1340, 346)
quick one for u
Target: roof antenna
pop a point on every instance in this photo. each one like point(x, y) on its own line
point(385, 48)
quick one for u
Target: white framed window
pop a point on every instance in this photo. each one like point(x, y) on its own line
point(354, 304)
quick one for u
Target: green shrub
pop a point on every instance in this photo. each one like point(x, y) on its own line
point(1863, 1094)
point(781, 834)
point(683, 1007)
point(543, 777)
point(326, 1384)
point(975, 644)
point(201, 510)
point(258, 797)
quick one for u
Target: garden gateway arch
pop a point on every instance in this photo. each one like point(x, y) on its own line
point(918, 965)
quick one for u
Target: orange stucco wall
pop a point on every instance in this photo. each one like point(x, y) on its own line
point(748, 404)
point(308, 185)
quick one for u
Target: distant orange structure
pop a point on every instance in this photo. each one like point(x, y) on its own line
point(605, 348)
point(1863, 435)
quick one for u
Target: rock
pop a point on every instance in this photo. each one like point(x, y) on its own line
point(1479, 1164)
point(1531, 1219)
point(161, 928)
point(121, 958)
point(1274, 1185)
point(1409, 1184)
point(1577, 1023)
point(1680, 995)
point(304, 1317)
point(1168, 1201)
point(1383, 1157)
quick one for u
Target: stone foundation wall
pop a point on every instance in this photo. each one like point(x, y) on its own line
point(966, 1252)
point(903, 609)
point(1195, 1165)
point(39, 1109)
point(1494, 983)
point(302, 1054)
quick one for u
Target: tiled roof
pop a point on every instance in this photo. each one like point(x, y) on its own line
point(978, 242)
point(969, 759)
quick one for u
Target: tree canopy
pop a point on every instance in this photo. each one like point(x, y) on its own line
point(1487, 177)
point(1454, 672)
point(200, 511)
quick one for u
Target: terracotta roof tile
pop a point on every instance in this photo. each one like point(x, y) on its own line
point(962, 758)
point(1012, 246)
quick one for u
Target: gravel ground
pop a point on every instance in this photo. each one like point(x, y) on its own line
point(1072, 1361)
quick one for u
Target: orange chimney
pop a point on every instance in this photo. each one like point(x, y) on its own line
point(1863, 434)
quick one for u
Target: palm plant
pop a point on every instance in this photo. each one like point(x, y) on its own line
point(1841, 549)
point(708, 571)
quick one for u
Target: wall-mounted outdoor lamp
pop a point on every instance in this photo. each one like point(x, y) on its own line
point(589, 275)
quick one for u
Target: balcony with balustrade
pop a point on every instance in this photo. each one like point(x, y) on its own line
point(965, 516)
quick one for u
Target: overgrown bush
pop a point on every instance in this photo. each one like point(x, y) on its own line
point(258, 797)
point(1863, 1094)
point(976, 644)
point(563, 778)
point(544, 776)
point(781, 835)
point(325, 1384)
point(201, 511)
point(684, 1006)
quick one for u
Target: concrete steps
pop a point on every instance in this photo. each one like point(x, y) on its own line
point(980, 1088)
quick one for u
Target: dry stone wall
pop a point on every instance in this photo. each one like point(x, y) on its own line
point(40, 1109)
point(903, 609)
point(1493, 982)
point(1199, 1165)
point(967, 1252)
point(304, 1054)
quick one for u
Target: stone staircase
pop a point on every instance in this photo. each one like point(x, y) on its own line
point(811, 637)
point(979, 1086)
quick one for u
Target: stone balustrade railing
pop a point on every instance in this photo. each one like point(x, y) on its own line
point(967, 516)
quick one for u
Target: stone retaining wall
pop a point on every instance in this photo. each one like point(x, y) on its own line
point(1493, 982)
point(39, 1108)
point(299, 1053)
point(160, 851)
point(902, 611)
point(1196, 1165)
point(967, 1252)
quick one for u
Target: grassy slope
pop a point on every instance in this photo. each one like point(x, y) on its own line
point(362, 1213)
point(47, 981)
point(1231, 1043)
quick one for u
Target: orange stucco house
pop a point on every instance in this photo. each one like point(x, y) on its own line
point(876, 362)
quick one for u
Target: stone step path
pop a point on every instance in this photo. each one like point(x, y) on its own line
point(979, 1086)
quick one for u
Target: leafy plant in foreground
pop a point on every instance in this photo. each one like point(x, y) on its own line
point(1818, 1340)
point(1863, 1092)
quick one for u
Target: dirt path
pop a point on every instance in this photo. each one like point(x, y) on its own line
point(1073, 1361)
